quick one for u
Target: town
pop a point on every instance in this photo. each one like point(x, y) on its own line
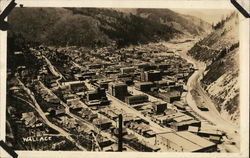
point(106, 99)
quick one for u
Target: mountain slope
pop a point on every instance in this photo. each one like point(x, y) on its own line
point(220, 50)
point(84, 27)
point(99, 27)
point(185, 23)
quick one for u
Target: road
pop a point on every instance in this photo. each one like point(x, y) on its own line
point(212, 115)
point(88, 124)
point(130, 110)
point(43, 116)
point(193, 83)
point(137, 92)
point(116, 103)
point(53, 70)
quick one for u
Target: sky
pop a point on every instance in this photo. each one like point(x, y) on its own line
point(209, 15)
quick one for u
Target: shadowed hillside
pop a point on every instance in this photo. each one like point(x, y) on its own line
point(92, 27)
point(84, 27)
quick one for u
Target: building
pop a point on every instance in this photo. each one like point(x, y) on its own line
point(209, 132)
point(215, 139)
point(102, 123)
point(97, 94)
point(176, 88)
point(193, 129)
point(161, 83)
point(73, 101)
point(75, 85)
point(170, 97)
point(68, 122)
point(179, 121)
point(76, 107)
point(149, 134)
point(164, 66)
point(127, 120)
point(144, 86)
point(118, 90)
point(159, 107)
point(171, 82)
point(88, 114)
point(136, 99)
point(180, 105)
point(151, 76)
point(88, 74)
point(127, 70)
point(184, 124)
point(184, 142)
point(31, 120)
point(148, 67)
point(103, 84)
point(95, 66)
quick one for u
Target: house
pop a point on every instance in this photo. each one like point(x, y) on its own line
point(31, 120)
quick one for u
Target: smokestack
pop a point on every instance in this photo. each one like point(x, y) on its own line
point(120, 141)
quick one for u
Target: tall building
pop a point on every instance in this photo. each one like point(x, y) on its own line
point(118, 90)
point(98, 94)
point(151, 76)
point(160, 107)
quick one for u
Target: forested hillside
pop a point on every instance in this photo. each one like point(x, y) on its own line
point(92, 27)
point(84, 27)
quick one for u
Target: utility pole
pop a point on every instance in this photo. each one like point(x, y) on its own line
point(120, 141)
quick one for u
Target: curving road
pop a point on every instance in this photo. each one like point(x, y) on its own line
point(212, 115)
point(37, 107)
point(53, 70)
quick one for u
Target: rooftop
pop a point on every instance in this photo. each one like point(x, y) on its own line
point(137, 96)
point(117, 84)
point(187, 141)
point(144, 83)
point(183, 118)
